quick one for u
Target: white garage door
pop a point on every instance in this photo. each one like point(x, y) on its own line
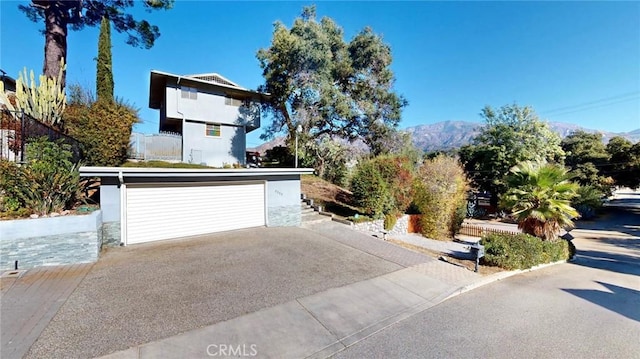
point(163, 211)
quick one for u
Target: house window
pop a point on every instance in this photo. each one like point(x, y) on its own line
point(213, 130)
point(230, 101)
point(189, 92)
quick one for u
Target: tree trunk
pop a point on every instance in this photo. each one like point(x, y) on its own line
point(55, 47)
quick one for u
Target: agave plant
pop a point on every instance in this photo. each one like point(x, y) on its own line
point(539, 197)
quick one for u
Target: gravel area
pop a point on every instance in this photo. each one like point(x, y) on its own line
point(145, 292)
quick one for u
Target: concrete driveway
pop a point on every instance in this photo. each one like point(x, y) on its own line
point(142, 293)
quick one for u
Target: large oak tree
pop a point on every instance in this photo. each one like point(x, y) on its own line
point(59, 15)
point(328, 86)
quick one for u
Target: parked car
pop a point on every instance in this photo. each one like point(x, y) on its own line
point(253, 159)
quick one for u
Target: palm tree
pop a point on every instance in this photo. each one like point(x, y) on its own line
point(540, 196)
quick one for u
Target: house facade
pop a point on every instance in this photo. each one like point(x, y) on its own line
point(211, 113)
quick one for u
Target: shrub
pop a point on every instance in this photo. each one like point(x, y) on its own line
point(587, 201)
point(522, 251)
point(440, 196)
point(390, 220)
point(398, 172)
point(103, 128)
point(47, 182)
point(383, 185)
point(458, 218)
point(10, 183)
point(370, 190)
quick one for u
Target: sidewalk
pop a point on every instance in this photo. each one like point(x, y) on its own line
point(459, 249)
point(29, 300)
point(323, 324)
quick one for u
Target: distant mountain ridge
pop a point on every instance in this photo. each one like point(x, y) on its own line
point(454, 134)
point(448, 135)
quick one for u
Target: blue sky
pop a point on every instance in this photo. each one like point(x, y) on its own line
point(575, 62)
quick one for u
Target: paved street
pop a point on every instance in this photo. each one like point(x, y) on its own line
point(589, 308)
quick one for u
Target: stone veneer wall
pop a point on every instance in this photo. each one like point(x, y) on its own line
point(50, 241)
point(284, 216)
point(111, 234)
point(283, 202)
point(401, 227)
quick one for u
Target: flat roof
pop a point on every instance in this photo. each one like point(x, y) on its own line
point(89, 171)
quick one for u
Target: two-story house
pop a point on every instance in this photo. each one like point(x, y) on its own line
point(211, 113)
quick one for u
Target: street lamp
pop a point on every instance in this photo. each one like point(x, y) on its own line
point(298, 130)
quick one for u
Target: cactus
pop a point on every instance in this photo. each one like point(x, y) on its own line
point(45, 103)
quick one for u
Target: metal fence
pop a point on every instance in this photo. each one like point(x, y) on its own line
point(162, 146)
point(17, 130)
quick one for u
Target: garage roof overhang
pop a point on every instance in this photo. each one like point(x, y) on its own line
point(174, 174)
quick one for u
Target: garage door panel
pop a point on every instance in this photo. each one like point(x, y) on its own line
point(156, 213)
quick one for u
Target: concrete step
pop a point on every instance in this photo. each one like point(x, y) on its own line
point(312, 215)
point(307, 210)
point(315, 220)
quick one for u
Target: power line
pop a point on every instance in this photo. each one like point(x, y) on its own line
point(603, 102)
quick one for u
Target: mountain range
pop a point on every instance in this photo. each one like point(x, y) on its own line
point(454, 134)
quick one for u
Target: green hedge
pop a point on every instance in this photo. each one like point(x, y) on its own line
point(523, 251)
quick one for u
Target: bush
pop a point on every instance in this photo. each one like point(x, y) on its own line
point(390, 220)
point(383, 185)
point(523, 251)
point(47, 182)
point(10, 183)
point(440, 196)
point(370, 190)
point(103, 128)
point(398, 172)
point(587, 202)
point(458, 218)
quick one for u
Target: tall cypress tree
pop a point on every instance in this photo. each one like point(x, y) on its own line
point(104, 69)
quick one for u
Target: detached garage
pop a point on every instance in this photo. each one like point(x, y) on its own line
point(144, 204)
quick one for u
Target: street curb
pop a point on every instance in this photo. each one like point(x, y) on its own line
point(500, 276)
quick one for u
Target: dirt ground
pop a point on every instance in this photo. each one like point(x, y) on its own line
point(335, 199)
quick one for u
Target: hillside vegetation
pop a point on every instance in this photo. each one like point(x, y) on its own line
point(333, 198)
